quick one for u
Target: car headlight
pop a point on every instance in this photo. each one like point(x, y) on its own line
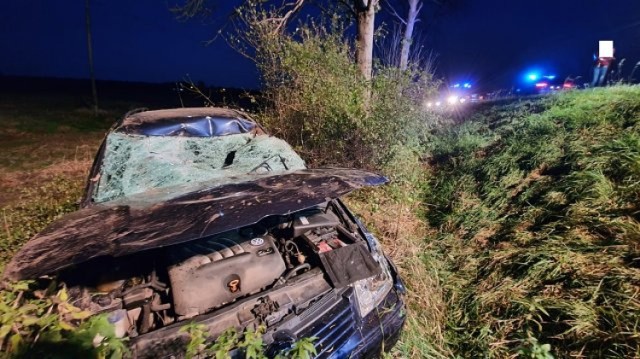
point(371, 291)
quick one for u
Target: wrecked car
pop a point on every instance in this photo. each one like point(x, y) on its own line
point(197, 215)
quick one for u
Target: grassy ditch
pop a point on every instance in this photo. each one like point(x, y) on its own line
point(396, 216)
point(536, 213)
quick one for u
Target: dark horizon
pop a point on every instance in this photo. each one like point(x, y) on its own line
point(127, 94)
point(138, 42)
point(490, 43)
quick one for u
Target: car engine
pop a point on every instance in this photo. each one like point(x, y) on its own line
point(215, 271)
point(154, 289)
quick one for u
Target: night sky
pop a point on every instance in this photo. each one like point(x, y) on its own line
point(490, 42)
point(497, 41)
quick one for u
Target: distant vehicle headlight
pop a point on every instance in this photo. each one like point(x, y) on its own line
point(371, 291)
point(452, 100)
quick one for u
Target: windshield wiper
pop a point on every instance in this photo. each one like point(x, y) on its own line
point(265, 164)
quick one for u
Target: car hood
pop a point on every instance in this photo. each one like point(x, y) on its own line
point(155, 219)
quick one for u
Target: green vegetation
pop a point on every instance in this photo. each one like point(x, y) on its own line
point(249, 342)
point(536, 210)
point(43, 164)
point(318, 101)
point(516, 232)
point(38, 207)
point(36, 323)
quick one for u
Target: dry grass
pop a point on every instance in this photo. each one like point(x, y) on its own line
point(46, 137)
point(398, 225)
point(25, 151)
point(46, 149)
point(32, 199)
point(14, 185)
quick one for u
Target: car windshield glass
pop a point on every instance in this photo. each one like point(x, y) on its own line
point(137, 163)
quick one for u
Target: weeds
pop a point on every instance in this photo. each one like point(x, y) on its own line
point(534, 350)
point(42, 323)
point(248, 342)
point(37, 209)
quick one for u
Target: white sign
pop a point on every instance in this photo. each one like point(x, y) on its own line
point(606, 49)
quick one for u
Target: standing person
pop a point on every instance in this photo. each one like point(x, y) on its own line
point(601, 69)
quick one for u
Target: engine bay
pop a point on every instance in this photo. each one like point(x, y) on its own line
point(259, 274)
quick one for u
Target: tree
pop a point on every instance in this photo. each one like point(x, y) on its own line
point(412, 16)
point(413, 9)
point(415, 6)
point(94, 92)
point(363, 11)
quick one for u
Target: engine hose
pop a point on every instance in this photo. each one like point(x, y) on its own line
point(295, 270)
point(288, 261)
point(145, 324)
point(288, 247)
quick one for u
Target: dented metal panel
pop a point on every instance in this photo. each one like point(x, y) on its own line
point(156, 219)
point(134, 122)
point(196, 126)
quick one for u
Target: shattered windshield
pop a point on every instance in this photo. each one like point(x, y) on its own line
point(135, 163)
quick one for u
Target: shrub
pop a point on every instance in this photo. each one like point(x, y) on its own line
point(318, 101)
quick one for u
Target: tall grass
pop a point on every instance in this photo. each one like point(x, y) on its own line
point(537, 217)
point(395, 214)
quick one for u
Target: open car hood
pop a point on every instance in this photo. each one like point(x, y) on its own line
point(127, 226)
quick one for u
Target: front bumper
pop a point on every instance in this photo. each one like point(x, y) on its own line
point(333, 320)
point(340, 331)
point(379, 332)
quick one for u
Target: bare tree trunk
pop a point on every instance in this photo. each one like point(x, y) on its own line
point(87, 16)
point(414, 9)
point(365, 15)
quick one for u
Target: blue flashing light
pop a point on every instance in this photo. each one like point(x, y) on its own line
point(532, 77)
point(456, 86)
point(550, 77)
point(467, 85)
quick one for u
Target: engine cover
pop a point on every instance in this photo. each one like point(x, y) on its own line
point(214, 271)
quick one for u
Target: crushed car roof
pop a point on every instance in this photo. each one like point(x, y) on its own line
point(160, 218)
point(190, 121)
